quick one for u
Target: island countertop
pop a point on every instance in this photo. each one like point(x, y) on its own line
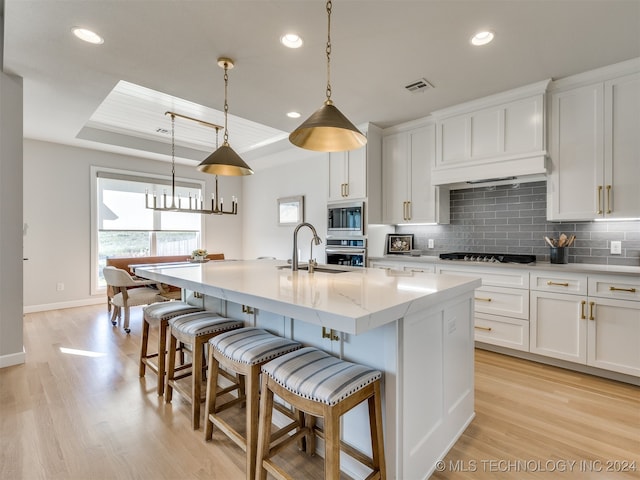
point(352, 302)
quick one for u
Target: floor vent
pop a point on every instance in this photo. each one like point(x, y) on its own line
point(421, 85)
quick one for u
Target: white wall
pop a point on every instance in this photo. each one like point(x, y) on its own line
point(306, 173)
point(57, 209)
point(11, 344)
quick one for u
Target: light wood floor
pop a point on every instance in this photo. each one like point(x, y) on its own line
point(67, 415)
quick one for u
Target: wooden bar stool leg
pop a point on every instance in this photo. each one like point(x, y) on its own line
point(264, 437)
point(143, 347)
point(377, 437)
point(212, 390)
point(331, 444)
point(162, 354)
point(171, 368)
point(196, 381)
point(252, 382)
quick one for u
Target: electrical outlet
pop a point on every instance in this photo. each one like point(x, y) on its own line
point(431, 244)
point(60, 286)
point(616, 247)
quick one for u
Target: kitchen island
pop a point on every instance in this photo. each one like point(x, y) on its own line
point(417, 328)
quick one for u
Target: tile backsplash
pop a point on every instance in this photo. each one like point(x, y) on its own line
point(512, 219)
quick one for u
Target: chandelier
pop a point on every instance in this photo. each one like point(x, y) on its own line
point(190, 204)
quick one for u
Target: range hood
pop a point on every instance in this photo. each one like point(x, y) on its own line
point(498, 172)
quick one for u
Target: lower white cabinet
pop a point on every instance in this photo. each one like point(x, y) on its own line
point(600, 329)
point(502, 331)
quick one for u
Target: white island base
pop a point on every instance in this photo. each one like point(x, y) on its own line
point(417, 329)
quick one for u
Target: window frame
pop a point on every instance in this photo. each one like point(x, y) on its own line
point(94, 216)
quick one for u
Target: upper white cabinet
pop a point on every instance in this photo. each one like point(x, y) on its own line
point(594, 145)
point(408, 196)
point(357, 174)
point(493, 137)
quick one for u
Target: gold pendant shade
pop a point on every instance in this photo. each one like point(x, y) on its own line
point(225, 161)
point(327, 130)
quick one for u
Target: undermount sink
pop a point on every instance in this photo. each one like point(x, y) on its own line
point(319, 268)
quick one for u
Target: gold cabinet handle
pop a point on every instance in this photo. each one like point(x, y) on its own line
point(417, 271)
point(559, 284)
point(582, 315)
point(409, 210)
point(480, 299)
point(616, 289)
point(329, 334)
point(608, 198)
point(404, 211)
point(346, 189)
point(591, 306)
point(486, 329)
point(599, 195)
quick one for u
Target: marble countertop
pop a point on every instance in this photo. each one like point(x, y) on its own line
point(353, 302)
point(586, 268)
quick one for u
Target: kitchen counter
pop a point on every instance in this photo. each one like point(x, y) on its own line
point(565, 267)
point(352, 302)
point(417, 328)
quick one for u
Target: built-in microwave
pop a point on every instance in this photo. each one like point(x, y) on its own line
point(345, 218)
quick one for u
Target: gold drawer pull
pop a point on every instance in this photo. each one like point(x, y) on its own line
point(479, 299)
point(559, 284)
point(608, 198)
point(488, 329)
point(417, 271)
point(616, 289)
point(591, 305)
point(582, 315)
point(599, 195)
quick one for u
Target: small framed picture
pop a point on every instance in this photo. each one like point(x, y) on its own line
point(291, 210)
point(399, 243)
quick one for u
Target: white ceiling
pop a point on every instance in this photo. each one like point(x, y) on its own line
point(378, 47)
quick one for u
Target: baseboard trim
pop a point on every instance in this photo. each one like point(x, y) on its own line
point(12, 359)
point(70, 304)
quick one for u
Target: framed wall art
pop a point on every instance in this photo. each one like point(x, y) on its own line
point(399, 244)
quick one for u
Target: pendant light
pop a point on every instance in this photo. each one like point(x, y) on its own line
point(225, 161)
point(191, 204)
point(328, 130)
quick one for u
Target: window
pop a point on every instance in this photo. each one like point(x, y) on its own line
point(124, 227)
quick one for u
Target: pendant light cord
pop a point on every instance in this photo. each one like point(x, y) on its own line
point(329, 6)
point(173, 159)
point(226, 104)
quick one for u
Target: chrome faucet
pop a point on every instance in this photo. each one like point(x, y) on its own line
point(316, 239)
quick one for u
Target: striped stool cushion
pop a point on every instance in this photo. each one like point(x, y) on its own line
point(252, 346)
point(315, 375)
point(166, 310)
point(196, 324)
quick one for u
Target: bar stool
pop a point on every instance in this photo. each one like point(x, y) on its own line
point(320, 385)
point(195, 329)
point(243, 352)
point(159, 314)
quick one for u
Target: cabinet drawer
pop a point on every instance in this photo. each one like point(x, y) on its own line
point(574, 283)
point(503, 331)
point(499, 277)
point(612, 286)
point(509, 302)
point(419, 268)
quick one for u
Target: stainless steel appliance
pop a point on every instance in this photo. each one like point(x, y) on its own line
point(348, 251)
point(345, 218)
point(489, 257)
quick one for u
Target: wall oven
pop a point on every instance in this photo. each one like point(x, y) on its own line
point(348, 251)
point(345, 218)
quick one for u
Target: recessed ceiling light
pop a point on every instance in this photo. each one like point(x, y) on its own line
point(291, 40)
point(87, 35)
point(293, 115)
point(482, 38)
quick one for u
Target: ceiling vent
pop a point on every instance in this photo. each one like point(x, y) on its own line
point(164, 131)
point(420, 85)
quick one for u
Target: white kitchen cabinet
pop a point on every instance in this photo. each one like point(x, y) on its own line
point(403, 266)
point(497, 136)
point(408, 196)
point(594, 145)
point(501, 304)
point(357, 174)
point(601, 329)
